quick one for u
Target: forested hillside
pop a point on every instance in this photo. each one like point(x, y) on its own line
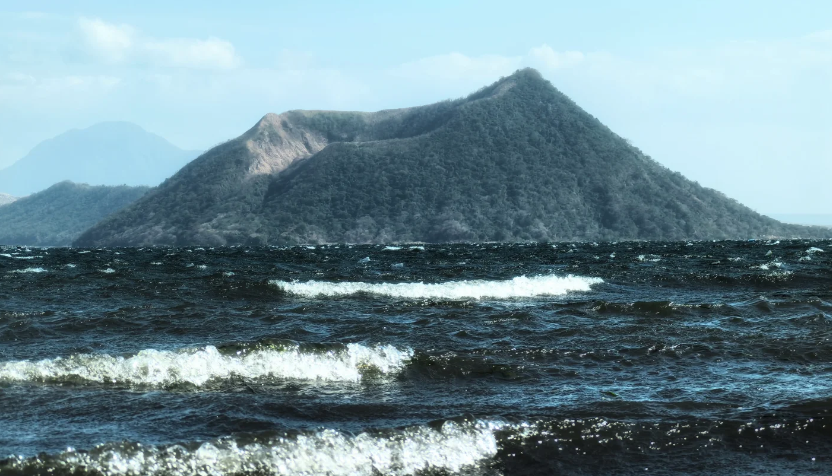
point(58, 215)
point(516, 160)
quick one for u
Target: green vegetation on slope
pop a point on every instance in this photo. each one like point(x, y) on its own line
point(524, 164)
point(217, 199)
point(59, 214)
point(517, 160)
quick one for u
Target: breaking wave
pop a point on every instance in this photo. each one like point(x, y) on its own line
point(29, 270)
point(199, 366)
point(451, 447)
point(518, 287)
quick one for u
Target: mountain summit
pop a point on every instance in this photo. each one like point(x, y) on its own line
point(108, 153)
point(515, 161)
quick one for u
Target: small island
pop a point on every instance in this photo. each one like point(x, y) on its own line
point(514, 161)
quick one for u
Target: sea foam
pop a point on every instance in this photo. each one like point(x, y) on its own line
point(157, 368)
point(518, 287)
point(451, 447)
point(29, 270)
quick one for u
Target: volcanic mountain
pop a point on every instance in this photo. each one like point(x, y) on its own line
point(515, 161)
point(108, 153)
point(57, 215)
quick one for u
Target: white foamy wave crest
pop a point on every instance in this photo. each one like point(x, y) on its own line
point(518, 287)
point(29, 270)
point(453, 447)
point(199, 366)
point(769, 265)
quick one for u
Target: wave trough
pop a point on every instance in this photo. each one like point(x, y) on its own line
point(518, 287)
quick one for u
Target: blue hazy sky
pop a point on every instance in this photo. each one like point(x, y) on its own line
point(734, 94)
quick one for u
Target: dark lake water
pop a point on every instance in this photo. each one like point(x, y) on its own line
point(584, 358)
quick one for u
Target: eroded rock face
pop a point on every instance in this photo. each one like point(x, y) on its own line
point(5, 199)
point(275, 142)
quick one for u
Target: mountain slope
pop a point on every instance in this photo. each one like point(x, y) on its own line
point(218, 198)
point(58, 215)
point(109, 153)
point(517, 160)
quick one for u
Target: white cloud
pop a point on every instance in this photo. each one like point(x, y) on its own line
point(552, 59)
point(823, 36)
point(456, 66)
point(112, 42)
point(266, 89)
point(24, 91)
point(18, 77)
point(123, 43)
point(749, 68)
point(33, 15)
point(457, 73)
point(212, 53)
point(58, 84)
point(296, 60)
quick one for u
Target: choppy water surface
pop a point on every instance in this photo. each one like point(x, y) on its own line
point(670, 358)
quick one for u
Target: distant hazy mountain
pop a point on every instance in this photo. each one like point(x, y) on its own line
point(6, 199)
point(817, 219)
point(109, 153)
point(514, 161)
point(57, 215)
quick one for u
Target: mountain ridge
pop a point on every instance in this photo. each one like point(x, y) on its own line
point(515, 161)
